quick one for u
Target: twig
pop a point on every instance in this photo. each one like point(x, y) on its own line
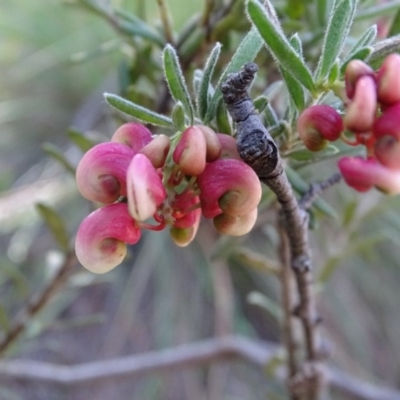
point(316, 189)
point(22, 319)
point(257, 148)
point(166, 21)
point(178, 358)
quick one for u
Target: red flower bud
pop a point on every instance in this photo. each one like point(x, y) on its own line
point(213, 146)
point(157, 150)
point(388, 80)
point(355, 69)
point(362, 175)
point(317, 124)
point(101, 173)
point(100, 241)
point(231, 184)
point(190, 152)
point(228, 146)
point(361, 110)
point(145, 189)
point(132, 134)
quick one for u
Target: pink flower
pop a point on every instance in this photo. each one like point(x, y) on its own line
point(101, 173)
point(363, 174)
point(145, 189)
point(388, 80)
point(132, 134)
point(319, 124)
point(100, 241)
point(228, 186)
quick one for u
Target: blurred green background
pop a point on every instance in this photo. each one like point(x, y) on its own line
point(56, 61)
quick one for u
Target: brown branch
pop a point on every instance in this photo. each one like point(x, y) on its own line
point(22, 319)
point(258, 149)
point(177, 358)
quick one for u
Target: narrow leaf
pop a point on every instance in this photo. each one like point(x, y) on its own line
point(202, 97)
point(322, 12)
point(294, 88)
point(56, 153)
point(271, 118)
point(334, 73)
point(246, 52)
point(55, 223)
point(224, 123)
point(176, 81)
point(278, 45)
point(79, 139)
point(361, 54)
point(260, 300)
point(379, 10)
point(337, 30)
point(140, 113)
point(395, 28)
point(260, 103)
point(178, 116)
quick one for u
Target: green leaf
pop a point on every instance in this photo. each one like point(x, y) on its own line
point(294, 88)
point(203, 93)
point(246, 52)
point(176, 81)
point(361, 54)
point(260, 103)
point(382, 49)
point(271, 118)
point(334, 73)
point(269, 305)
point(178, 116)
point(278, 45)
point(395, 27)
point(224, 124)
point(56, 153)
point(322, 12)
point(379, 10)
point(140, 113)
point(305, 155)
point(336, 33)
point(55, 223)
point(79, 139)
point(132, 25)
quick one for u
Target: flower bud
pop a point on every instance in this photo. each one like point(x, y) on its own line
point(235, 225)
point(101, 173)
point(157, 150)
point(213, 146)
point(181, 203)
point(232, 185)
point(100, 241)
point(228, 146)
point(132, 134)
point(388, 123)
point(318, 124)
point(190, 152)
point(387, 151)
point(361, 110)
point(355, 69)
point(388, 80)
point(362, 174)
point(145, 189)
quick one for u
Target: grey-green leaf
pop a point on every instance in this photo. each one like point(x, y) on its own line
point(178, 116)
point(203, 93)
point(278, 45)
point(383, 49)
point(361, 54)
point(55, 223)
point(246, 52)
point(378, 10)
point(176, 81)
point(337, 30)
point(56, 153)
point(260, 103)
point(224, 124)
point(140, 113)
point(79, 139)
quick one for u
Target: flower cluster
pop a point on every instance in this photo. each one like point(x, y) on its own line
point(372, 115)
point(138, 176)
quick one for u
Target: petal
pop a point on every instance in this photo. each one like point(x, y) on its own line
point(101, 173)
point(132, 134)
point(145, 189)
point(231, 184)
point(100, 241)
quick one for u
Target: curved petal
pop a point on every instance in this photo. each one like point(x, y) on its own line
point(100, 241)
